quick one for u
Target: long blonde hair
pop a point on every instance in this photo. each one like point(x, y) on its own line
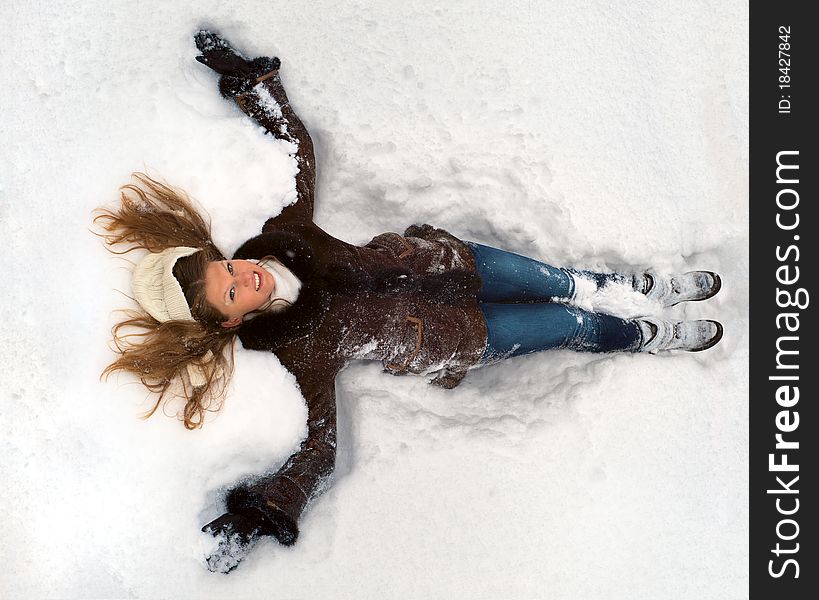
point(154, 216)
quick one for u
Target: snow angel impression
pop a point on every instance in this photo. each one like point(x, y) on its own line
point(421, 302)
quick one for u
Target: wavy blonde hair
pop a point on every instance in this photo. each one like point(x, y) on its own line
point(154, 216)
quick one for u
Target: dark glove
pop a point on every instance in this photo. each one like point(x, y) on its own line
point(219, 56)
point(271, 519)
point(237, 535)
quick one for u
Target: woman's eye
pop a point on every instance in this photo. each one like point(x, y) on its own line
point(230, 268)
point(232, 294)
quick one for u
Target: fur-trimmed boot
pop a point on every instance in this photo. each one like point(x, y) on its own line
point(669, 290)
point(691, 336)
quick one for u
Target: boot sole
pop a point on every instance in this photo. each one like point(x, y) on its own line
point(714, 340)
point(714, 289)
point(711, 293)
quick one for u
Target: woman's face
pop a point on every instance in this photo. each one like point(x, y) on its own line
point(237, 287)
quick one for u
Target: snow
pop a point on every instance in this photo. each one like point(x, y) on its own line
point(615, 298)
point(595, 135)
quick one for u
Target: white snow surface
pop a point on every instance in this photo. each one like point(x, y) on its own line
point(597, 135)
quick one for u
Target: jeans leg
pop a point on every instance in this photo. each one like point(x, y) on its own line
point(510, 277)
point(515, 329)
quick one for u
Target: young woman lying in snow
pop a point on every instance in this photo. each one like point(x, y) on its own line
point(421, 302)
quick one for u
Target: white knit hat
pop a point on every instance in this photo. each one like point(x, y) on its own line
point(160, 294)
point(157, 290)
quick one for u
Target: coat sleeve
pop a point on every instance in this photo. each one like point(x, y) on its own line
point(280, 498)
point(262, 98)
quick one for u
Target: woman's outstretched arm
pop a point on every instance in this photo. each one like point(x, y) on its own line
point(272, 504)
point(257, 89)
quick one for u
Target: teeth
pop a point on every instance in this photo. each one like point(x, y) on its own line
point(257, 280)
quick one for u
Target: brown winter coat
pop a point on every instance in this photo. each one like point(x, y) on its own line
point(407, 300)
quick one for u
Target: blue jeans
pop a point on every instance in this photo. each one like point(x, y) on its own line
point(518, 299)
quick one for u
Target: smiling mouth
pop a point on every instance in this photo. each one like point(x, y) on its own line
point(257, 281)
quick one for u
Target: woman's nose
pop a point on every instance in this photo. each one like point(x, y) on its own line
point(246, 278)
